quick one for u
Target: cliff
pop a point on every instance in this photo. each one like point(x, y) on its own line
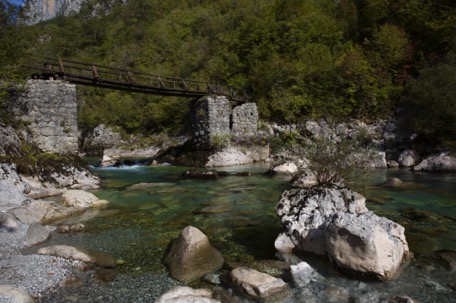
point(36, 11)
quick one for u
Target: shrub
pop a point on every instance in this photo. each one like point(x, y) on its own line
point(430, 105)
point(335, 162)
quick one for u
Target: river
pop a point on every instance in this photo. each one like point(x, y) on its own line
point(237, 213)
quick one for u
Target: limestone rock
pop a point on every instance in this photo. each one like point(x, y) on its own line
point(304, 179)
point(184, 294)
point(236, 156)
point(109, 161)
point(367, 244)
point(392, 164)
point(408, 158)
point(8, 222)
point(441, 162)
point(16, 295)
point(12, 186)
point(256, 284)
point(101, 138)
point(394, 182)
point(82, 199)
point(333, 220)
point(36, 233)
point(287, 168)
point(305, 213)
point(302, 273)
point(192, 256)
point(69, 252)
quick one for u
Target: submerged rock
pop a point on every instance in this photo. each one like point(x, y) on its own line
point(258, 285)
point(333, 220)
point(183, 294)
point(69, 252)
point(192, 256)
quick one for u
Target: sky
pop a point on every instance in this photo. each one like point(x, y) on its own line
point(16, 2)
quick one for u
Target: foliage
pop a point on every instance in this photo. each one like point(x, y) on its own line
point(430, 101)
point(220, 141)
point(297, 59)
point(334, 162)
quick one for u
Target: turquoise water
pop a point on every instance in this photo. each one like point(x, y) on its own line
point(237, 213)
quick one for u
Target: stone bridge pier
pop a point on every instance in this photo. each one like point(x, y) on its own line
point(50, 110)
point(216, 119)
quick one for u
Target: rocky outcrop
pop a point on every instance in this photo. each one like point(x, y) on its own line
point(13, 189)
point(258, 285)
point(192, 256)
point(238, 155)
point(442, 162)
point(182, 294)
point(333, 220)
point(101, 138)
point(408, 158)
point(42, 10)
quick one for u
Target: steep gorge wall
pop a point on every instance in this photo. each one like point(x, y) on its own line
point(41, 10)
point(50, 109)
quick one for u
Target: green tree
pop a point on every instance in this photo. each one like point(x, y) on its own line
point(430, 105)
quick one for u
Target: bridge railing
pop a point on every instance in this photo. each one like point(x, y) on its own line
point(130, 80)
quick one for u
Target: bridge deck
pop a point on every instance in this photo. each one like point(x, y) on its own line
point(132, 81)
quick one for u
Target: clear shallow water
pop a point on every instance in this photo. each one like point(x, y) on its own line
point(237, 213)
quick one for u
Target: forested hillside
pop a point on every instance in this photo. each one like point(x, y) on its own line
point(295, 58)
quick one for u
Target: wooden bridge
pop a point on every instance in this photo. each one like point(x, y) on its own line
point(129, 80)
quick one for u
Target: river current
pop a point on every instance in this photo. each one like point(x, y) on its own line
point(151, 205)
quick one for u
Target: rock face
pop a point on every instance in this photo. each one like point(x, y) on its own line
point(256, 284)
point(367, 244)
point(333, 220)
point(51, 109)
point(441, 162)
point(192, 256)
point(12, 187)
point(41, 10)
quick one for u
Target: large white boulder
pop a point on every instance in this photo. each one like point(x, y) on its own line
point(367, 244)
point(306, 213)
point(192, 256)
point(333, 220)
